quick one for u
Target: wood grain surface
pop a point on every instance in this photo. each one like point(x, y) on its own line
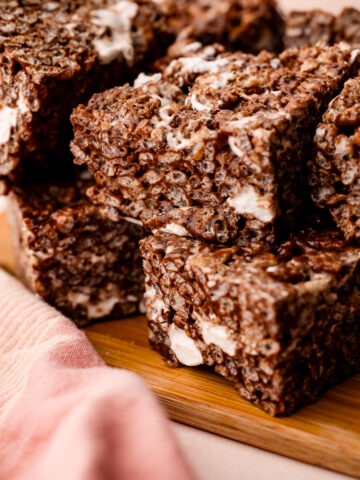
point(325, 434)
point(6, 251)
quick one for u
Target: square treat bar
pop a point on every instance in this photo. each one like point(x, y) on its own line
point(347, 27)
point(281, 326)
point(247, 25)
point(83, 264)
point(310, 27)
point(56, 54)
point(334, 170)
point(214, 147)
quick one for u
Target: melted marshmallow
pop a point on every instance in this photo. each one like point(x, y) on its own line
point(255, 120)
point(143, 78)
point(177, 141)
point(175, 229)
point(235, 146)
point(118, 19)
point(102, 308)
point(196, 105)
point(354, 55)
point(272, 268)
point(22, 103)
point(192, 47)
point(132, 220)
point(201, 65)
point(184, 347)
point(342, 146)
point(249, 201)
point(218, 335)
point(8, 116)
point(158, 307)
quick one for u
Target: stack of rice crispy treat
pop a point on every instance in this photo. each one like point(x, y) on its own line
point(205, 153)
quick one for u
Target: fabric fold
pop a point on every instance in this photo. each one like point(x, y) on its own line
point(64, 413)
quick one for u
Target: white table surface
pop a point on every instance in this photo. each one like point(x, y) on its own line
point(217, 458)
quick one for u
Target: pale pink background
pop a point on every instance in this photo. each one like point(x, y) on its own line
point(216, 458)
point(330, 5)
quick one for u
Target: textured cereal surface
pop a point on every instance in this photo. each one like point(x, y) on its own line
point(335, 165)
point(56, 54)
point(214, 146)
point(282, 326)
point(247, 25)
point(85, 265)
point(308, 28)
point(313, 26)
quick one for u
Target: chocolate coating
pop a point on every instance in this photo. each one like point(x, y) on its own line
point(56, 54)
point(282, 326)
point(313, 26)
point(334, 170)
point(80, 262)
point(215, 146)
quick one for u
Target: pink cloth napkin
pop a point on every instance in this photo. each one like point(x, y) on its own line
point(63, 413)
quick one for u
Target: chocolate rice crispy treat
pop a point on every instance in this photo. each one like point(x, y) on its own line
point(308, 28)
point(56, 54)
point(313, 26)
point(281, 326)
point(68, 253)
point(247, 25)
point(334, 170)
point(347, 27)
point(214, 147)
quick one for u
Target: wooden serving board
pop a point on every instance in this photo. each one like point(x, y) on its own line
point(325, 434)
